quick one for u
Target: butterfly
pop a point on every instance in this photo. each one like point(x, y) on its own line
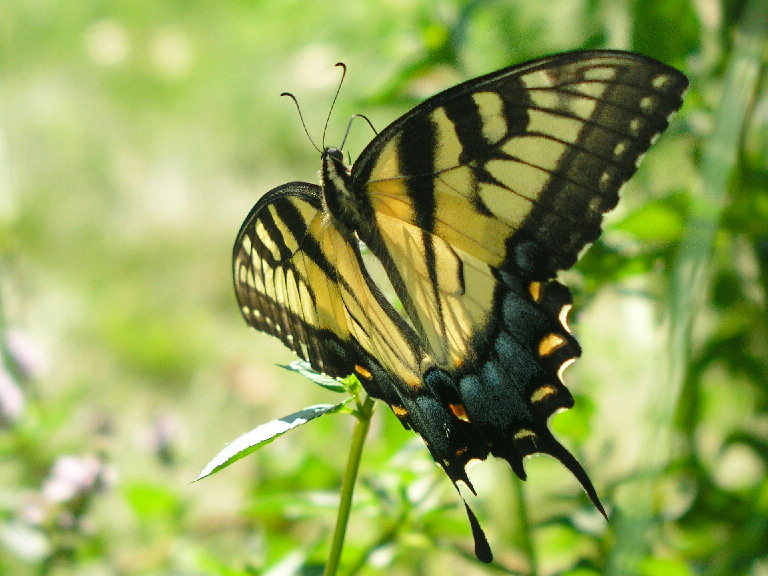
point(471, 203)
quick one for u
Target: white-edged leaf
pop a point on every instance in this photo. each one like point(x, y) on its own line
point(305, 369)
point(263, 435)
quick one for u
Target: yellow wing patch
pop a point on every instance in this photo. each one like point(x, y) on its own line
point(448, 314)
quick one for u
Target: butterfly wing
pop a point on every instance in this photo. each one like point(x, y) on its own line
point(285, 285)
point(299, 279)
point(529, 158)
point(480, 195)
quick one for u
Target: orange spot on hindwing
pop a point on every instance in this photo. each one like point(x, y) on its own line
point(534, 289)
point(399, 411)
point(550, 343)
point(459, 411)
point(360, 371)
point(543, 392)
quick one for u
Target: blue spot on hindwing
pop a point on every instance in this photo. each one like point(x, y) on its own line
point(519, 363)
point(493, 402)
point(523, 319)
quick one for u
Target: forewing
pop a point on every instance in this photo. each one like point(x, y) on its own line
point(513, 171)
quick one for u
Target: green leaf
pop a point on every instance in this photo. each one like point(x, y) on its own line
point(664, 567)
point(661, 221)
point(328, 382)
point(264, 434)
point(581, 571)
point(150, 501)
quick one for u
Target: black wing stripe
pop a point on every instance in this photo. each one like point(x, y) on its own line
point(421, 191)
point(274, 233)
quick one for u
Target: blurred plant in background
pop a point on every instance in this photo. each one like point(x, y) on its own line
point(134, 138)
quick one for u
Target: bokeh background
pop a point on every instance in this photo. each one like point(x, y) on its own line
point(134, 138)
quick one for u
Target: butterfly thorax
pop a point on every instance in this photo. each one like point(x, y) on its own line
point(338, 196)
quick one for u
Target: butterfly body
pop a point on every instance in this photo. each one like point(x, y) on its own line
point(471, 203)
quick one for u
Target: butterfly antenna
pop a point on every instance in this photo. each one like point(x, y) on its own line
point(301, 117)
point(328, 119)
point(349, 126)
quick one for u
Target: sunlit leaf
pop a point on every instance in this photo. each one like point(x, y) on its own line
point(264, 434)
point(328, 382)
point(150, 501)
point(661, 221)
point(664, 567)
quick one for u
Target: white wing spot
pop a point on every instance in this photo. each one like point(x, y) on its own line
point(660, 82)
point(605, 181)
point(563, 367)
point(620, 149)
point(539, 79)
point(647, 104)
point(595, 204)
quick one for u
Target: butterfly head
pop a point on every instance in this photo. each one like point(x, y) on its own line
point(337, 186)
point(335, 154)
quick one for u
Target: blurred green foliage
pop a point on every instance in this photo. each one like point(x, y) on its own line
point(135, 136)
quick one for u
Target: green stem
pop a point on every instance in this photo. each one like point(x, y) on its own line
point(364, 413)
point(526, 531)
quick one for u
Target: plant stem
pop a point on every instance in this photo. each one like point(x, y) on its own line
point(525, 527)
point(364, 413)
